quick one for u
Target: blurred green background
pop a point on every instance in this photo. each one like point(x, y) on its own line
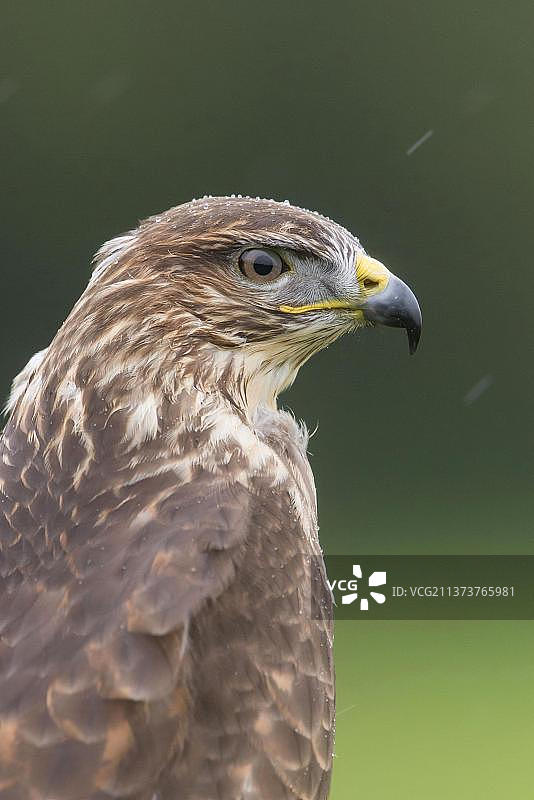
point(110, 111)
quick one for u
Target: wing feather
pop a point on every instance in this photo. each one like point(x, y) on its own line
point(95, 687)
point(132, 663)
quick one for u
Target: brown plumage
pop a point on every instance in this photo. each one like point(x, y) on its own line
point(157, 521)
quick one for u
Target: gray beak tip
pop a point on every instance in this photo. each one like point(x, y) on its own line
point(414, 334)
point(396, 307)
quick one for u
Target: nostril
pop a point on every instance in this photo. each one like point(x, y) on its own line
point(370, 283)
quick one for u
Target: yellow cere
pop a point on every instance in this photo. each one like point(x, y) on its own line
point(372, 276)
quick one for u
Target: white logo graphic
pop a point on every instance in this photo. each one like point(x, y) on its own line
point(374, 579)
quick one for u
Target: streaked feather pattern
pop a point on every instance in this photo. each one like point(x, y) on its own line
point(157, 524)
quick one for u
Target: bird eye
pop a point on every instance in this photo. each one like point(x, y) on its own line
point(261, 266)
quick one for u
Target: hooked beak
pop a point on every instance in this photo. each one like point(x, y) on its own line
point(383, 299)
point(388, 300)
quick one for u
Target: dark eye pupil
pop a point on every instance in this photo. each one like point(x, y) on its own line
point(263, 264)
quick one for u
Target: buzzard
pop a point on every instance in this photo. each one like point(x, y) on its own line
point(158, 515)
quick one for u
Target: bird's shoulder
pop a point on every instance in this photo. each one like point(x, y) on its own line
point(107, 553)
point(105, 556)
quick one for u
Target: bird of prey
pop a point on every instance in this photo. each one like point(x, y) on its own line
point(158, 515)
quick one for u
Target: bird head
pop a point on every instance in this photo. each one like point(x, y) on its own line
point(240, 288)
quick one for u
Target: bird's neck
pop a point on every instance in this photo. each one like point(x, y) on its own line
point(145, 428)
point(221, 381)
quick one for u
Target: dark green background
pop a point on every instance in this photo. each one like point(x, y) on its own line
point(114, 110)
